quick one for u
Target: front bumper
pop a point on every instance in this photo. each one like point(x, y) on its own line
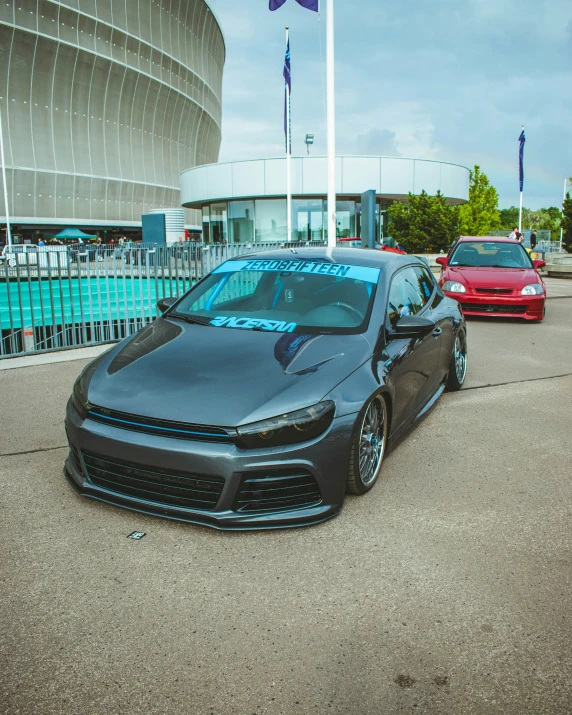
point(528, 307)
point(326, 459)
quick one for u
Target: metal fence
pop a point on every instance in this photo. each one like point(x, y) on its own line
point(544, 242)
point(52, 298)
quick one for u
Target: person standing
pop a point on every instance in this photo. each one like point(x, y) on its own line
point(514, 233)
point(41, 242)
point(533, 240)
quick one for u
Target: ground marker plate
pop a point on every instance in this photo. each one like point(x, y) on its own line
point(136, 535)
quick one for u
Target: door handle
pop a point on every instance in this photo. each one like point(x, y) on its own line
point(437, 332)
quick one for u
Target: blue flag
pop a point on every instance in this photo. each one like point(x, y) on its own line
point(287, 90)
point(521, 139)
point(308, 4)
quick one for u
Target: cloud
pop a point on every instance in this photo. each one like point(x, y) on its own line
point(379, 142)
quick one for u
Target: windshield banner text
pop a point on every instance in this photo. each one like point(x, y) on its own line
point(361, 273)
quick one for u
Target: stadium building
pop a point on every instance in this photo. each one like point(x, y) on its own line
point(104, 103)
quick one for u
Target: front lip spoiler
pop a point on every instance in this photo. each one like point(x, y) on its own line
point(224, 521)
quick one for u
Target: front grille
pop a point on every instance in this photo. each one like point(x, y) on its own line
point(497, 291)
point(75, 456)
point(277, 490)
point(193, 491)
point(490, 308)
point(164, 428)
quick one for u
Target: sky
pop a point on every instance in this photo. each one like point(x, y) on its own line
point(452, 80)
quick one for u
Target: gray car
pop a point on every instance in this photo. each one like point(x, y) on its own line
point(268, 391)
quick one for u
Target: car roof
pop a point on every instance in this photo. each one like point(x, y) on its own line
point(487, 239)
point(353, 256)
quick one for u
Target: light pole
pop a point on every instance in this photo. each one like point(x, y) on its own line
point(308, 141)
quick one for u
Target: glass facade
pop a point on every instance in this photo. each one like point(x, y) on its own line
point(265, 220)
point(270, 220)
point(308, 219)
point(218, 223)
point(241, 221)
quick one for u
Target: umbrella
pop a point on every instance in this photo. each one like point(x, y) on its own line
point(72, 234)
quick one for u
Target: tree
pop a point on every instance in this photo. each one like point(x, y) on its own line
point(509, 218)
point(424, 223)
point(481, 214)
point(567, 221)
point(545, 219)
point(542, 220)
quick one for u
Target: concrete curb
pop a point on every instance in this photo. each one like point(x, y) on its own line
point(52, 357)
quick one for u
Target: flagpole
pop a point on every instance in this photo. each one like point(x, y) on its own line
point(288, 154)
point(521, 188)
point(331, 122)
point(563, 200)
point(8, 230)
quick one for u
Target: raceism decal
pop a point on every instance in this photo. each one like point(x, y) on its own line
point(277, 326)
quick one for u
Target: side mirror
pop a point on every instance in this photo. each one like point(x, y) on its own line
point(442, 260)
point(165, 303)
point(413, 326)
point(539, 263)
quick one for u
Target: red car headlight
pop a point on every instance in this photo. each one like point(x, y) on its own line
point(454, 287)
point(532, 289)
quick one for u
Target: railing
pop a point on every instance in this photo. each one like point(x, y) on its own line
point(544, 242)
point(52, 298)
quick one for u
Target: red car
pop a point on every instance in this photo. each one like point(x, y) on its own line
point(493, 276)
point(356, 243)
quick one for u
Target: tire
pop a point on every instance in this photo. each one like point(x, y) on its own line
point(458, 365)
point(366, 458)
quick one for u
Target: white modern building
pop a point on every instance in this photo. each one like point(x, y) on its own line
point(245, 201)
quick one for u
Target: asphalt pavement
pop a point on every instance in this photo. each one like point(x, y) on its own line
point(445, 590)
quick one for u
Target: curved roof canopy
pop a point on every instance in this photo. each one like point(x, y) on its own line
point(392, 178)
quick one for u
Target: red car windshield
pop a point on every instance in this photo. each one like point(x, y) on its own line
point(490, 254)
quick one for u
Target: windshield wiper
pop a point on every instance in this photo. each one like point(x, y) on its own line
point(190, 319)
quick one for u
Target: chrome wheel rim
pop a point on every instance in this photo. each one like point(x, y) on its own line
point(460, 357)
point(372, 441)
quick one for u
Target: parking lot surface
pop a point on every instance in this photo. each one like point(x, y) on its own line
point(444, 590)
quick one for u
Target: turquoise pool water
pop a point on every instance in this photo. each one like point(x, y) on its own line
point(82, 300)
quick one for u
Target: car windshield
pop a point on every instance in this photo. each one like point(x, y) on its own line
point(284, 296)
point(492, 254)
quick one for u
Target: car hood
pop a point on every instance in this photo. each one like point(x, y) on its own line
point(485, 277)
point(221, 376)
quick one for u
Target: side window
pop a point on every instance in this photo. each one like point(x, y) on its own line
point(406, 296)
point(426, 282)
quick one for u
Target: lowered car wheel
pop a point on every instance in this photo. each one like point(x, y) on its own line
point(368, 447)
point(458, 365)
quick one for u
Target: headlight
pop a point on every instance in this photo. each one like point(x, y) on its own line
point(79, 393)
point(532, 289)
point(299, 426)
point(79, 399)
point(454, 287)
